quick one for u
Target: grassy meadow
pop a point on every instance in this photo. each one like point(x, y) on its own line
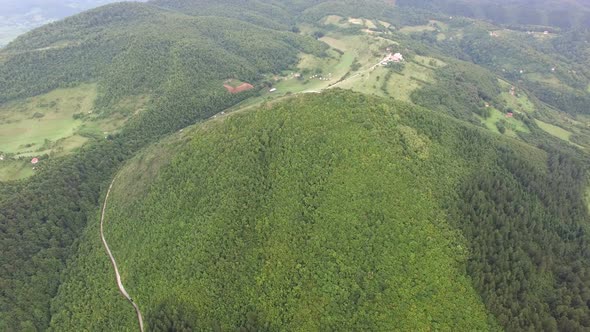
point(26, 126)
point(55, 123)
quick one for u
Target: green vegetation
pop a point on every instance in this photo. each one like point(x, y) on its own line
point(510, 125)
point(537, 14)
point(157, 60)
point(518, 103)
point(461, 90)
point(110, 45)
point(241, 222)
point(275, 214)
point(263, 202)
point(26, 126)
point(15, 169)
point(554, 130)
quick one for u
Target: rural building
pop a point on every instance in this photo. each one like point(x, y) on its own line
point(397, 57)
point(35, 161)
point(273, 90)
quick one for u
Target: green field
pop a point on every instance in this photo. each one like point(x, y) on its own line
point(15, 169)
point(512, 124)
point(335, 20)
point(370, 78)
point(561, 133)
point(431, 26)
point(29, 126)
point(554, 130)
point(414, 76)
point(337, 65)
point(547, 79)
point(354, 48)
point(520, 103)
point(429, 61)
point(401, 87)
point(367, 81)
point(45, 125)
point(416, 28)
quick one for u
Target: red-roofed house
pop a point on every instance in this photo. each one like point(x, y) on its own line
point(34, 161)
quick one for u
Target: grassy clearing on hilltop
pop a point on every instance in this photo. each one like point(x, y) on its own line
point(353, 64)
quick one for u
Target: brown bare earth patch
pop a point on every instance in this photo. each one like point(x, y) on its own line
point(240, 88)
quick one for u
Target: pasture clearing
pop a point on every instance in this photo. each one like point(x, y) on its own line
point(429, 62)
point(56, 124)
point(11, 170)
point(519, 102)
point(30, 125)
point(547, 79)
point(512, 125)
point(414, 76)
point(416, 28)
point(554, 130)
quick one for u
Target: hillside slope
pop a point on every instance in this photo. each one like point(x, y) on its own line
point(321, 213)
point(340, 211)
point(175, 62)
point(563, 14)
point(133, 49)
point(318, 202)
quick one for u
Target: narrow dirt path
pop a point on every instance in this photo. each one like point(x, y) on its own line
point(112, 258)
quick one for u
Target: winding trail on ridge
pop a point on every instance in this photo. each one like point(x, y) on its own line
point(112, 258)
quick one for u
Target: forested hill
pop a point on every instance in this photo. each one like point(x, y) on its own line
point(446, 191)
point(134, 48)
point(554, 13)
point(341, 212)
point(176, 62)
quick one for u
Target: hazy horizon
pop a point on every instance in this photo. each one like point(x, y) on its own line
point(20, 16)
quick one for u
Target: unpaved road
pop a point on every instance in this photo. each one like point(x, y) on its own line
point(112, 258)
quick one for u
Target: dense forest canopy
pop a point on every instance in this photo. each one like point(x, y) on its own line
point(266, 192)
point(471, 193)
point(556, 13)
point(129, 49)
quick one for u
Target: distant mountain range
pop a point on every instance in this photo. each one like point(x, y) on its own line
point(20, 16)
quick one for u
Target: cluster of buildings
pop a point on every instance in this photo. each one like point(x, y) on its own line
point(392, 57)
